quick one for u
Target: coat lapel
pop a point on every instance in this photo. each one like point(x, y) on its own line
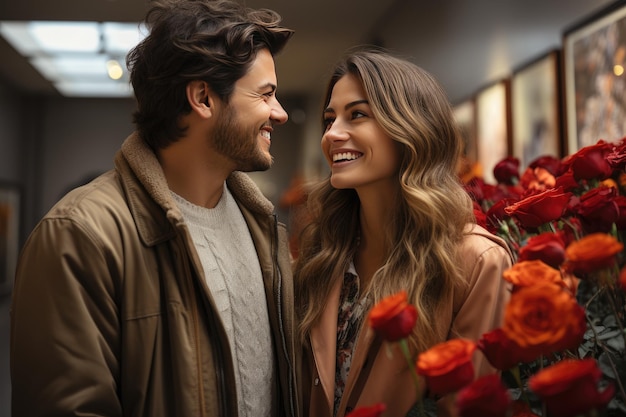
point(324, 343)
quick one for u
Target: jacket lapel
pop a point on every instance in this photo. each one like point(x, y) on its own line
point(324, 344)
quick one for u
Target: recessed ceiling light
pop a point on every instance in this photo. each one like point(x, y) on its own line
point(77, 57)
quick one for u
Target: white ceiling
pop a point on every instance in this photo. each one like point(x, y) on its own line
point(464, 43)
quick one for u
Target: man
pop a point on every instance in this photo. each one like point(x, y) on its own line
point(163, 287)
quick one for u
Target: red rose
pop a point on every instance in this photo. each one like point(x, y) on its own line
point(393, 318)
point(507, 171)
point(597, 209)
point(479, 214)
point(566, 181)
point(502, 352)
point(570, 388)
point(474, 188)
point(547, 162)
point(496, 214)
point(617, 157)
point(590, 162)
point(539, 209)
point(546, 247)
point(485, 397)
point(620, 200)
point(447, 367)
point(375, 410)
point(520, 408)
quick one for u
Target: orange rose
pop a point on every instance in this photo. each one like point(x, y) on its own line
point(447, 367)
point(537, 179)
point(544, 318)
point(592, 253)
point(570, 388)
point(393, 318)
point(527, 273)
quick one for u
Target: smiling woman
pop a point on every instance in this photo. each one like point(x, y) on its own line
point(391, 216)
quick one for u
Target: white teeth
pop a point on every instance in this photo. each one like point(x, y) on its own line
point(345, 156)
point(266, 134)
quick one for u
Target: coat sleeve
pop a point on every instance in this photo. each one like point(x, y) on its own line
point(479, 307)
point(64, 325)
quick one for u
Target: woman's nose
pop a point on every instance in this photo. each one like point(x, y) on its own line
point(336, 132)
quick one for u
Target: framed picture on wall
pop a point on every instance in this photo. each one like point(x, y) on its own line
point(535, 109)
point(9, 234)
point(465, 116)
point(493, 121)
point(594, 54)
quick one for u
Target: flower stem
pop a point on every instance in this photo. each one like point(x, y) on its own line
point(518, 379)
point(407, 355)
point(603, 346)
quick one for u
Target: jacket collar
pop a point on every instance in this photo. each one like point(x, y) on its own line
point(155, 211)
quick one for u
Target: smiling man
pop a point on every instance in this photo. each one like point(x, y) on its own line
point(163, 287)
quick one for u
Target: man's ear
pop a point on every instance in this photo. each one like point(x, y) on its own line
point(200, 98)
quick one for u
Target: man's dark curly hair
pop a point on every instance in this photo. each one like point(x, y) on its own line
point(215, 41)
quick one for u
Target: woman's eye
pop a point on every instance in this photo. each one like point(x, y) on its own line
point(357, 114)
point(327, 123)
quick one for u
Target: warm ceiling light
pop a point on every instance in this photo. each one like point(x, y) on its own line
point(80, 58)
point(618, 70)
point(114, 69)
point(121, 37)
point(55, 37)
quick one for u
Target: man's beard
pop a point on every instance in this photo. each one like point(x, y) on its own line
point(240, 144)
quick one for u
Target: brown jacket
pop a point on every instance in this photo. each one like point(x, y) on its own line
point(379, 373)
point(111, 315)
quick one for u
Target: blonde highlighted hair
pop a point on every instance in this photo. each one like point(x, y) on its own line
point(430, 214)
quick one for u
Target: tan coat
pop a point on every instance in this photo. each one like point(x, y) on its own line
point(111, 315)
point(379, 373)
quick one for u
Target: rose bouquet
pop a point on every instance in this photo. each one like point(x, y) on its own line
point(562, 347)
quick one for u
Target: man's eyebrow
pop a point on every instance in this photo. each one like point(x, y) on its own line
point(347, 106)
point(271, 86)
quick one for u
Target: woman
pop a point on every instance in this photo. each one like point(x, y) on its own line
point(391, 216)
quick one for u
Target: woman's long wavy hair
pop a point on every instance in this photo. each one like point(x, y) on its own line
point(430, 214)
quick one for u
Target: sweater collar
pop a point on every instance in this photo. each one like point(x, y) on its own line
point(149, 183)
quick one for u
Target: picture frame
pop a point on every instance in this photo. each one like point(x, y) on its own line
point(536, 108)
point(493, 126)
point(465, 116)
point(594, 59)
point(10, 196)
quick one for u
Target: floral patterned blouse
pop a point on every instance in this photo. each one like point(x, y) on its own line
point(352, 311)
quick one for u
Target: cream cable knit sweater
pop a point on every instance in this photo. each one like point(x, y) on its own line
point(233, 275)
